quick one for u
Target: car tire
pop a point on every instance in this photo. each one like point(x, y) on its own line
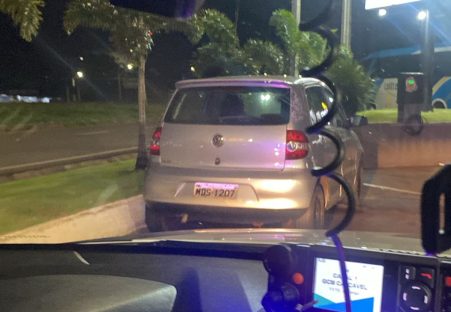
point(155, 221)
point(315, 216)
point(358, 187)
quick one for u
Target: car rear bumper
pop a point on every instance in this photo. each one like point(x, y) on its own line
point(222, 215)
point(275, 191)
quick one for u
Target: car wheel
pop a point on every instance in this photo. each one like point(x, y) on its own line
point(358, 187)
point(155, 221)
point(315, 216)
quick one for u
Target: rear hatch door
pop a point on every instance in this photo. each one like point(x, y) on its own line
point(226, 127)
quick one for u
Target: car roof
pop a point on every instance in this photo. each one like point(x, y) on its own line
point(280, 81)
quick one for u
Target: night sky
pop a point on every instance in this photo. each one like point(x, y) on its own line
point(47, 63)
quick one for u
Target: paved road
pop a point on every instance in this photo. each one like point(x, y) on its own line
point(391, 200)
point(390, 204)
point(44, 144)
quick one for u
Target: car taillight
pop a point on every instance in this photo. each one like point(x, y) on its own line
point(297, 145)
point(155, 145)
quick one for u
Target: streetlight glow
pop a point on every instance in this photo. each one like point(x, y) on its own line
point(193, 69)
point(80, 74)
point(422, 15)
point(129, 66)
point(377, 4)
point(382, 12)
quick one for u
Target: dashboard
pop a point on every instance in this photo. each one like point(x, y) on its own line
point(189, 277)
point(214, 276)
point(379, 281)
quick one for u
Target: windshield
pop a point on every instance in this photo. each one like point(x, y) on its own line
point(99, 138)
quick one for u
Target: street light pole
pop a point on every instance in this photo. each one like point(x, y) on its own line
point(296, 10)
point(346, 19)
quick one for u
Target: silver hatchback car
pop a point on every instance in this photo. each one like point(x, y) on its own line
point(233, 151)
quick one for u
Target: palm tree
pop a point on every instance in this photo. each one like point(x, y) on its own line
point(353, 81)
point(131, 34)
point(348, 75)
point(221, 54)
point(309, 48)
point(26, 14)
point(220, 49)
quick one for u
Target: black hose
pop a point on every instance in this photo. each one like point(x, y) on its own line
point(318, 128)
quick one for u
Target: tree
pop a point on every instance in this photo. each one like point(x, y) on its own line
point(348, 75)
point(26, 14)
point(308, 47)
point(353, 81)
point(220, 52)
point(263, 57)
point(131, 35)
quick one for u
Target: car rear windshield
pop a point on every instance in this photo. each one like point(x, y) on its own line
point(230, 106)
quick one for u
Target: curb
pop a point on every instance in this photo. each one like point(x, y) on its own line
point(110, 220)
point(10, 170)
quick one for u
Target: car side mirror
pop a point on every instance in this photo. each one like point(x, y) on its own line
point(357, 121)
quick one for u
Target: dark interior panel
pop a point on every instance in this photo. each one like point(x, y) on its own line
point(201, 282)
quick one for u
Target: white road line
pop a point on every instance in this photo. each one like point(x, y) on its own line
point(94, 132)
point(393, 189)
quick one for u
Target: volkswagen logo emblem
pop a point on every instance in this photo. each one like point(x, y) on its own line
point(218, 140)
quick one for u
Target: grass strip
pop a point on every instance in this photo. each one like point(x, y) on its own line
point(26, 115)
point(32, 201)
point(390, 116)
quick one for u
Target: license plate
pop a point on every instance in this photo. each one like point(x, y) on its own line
point(216, 190)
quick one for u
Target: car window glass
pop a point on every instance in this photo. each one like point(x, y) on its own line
point(233, 105)
point(318, 103)
point(97, 83)
point(192, 108)
point(339, 119)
